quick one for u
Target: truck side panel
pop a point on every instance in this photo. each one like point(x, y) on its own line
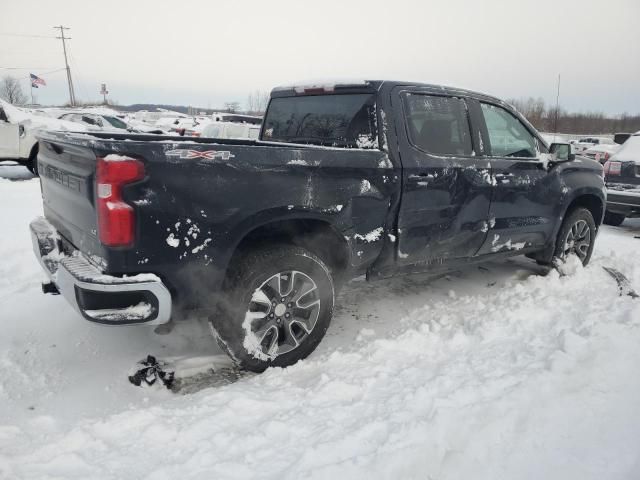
point(199, 200)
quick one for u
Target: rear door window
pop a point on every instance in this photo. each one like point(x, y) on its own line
point(438, 124)
point(507, 135)
point(345, 120)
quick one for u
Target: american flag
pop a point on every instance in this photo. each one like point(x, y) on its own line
point(36, 80)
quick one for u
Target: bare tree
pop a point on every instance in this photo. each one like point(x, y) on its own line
point(11, 91)
point(547, 119)
point(257, 102)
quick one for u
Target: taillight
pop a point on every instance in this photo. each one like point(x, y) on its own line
point(116, 219)
point(314, 89)
point(612, 168)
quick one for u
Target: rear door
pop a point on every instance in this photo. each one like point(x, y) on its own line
point(526, 194)
point(446, 186)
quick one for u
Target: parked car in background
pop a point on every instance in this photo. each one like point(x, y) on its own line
point(600, 153)
point(110, 123)
point(228, 130)
point(236, 118)
point(17, 134)
point(620, 138)
point(585, 143)
point(375, 178)
point(622, 178)
point(95, 122)
point(152, 117)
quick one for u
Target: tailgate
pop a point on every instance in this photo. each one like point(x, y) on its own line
point(67, 173)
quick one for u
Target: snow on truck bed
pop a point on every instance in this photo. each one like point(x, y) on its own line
point(493, 372)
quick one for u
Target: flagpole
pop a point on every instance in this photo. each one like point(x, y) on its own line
point(31, 83)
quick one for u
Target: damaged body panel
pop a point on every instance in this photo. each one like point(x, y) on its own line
point(374, 178)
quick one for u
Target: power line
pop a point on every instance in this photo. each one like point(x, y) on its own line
point(24, 68)
point(25, 35)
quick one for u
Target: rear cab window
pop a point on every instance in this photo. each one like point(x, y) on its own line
point(335, 120)
point(438, 124)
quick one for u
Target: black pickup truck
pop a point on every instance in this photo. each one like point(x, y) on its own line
point(622, 178)
point(378, 178)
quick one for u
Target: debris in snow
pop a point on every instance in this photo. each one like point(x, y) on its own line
point(370, 237)
point(623, 282)
point(172, 241)
point(150, 372)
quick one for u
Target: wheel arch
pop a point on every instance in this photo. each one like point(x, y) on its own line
point(592, 202)
point(317, 235)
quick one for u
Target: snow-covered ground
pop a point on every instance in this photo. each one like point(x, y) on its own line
point(495, 372)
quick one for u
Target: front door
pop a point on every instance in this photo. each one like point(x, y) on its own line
point(526, 194)
point(446, 186)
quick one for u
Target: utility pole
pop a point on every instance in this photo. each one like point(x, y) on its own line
point(72, 95)
point(555, 122)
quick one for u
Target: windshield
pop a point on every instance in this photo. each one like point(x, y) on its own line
point(346, 120)
point(116, 122)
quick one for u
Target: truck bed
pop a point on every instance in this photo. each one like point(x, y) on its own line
point(200, 197)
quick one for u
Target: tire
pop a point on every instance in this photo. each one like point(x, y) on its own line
point(32, 163)
point(613, 219)
point(277, 308)
point(577, 235)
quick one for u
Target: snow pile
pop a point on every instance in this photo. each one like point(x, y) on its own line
point(493, 372)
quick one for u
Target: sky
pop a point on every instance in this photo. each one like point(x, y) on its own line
point(206, 53)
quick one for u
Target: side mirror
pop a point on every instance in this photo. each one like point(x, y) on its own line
point(562, 152)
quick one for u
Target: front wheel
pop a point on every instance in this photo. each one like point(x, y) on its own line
point(278, 305)
point(577, 236)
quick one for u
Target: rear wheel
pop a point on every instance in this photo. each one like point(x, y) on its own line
point(613, 219)
point(577, 236)
point(279, 304)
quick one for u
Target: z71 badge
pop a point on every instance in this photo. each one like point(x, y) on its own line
point(206, 154)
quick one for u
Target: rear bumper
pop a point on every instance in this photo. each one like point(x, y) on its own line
point(99, 298)
point(626, 202)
